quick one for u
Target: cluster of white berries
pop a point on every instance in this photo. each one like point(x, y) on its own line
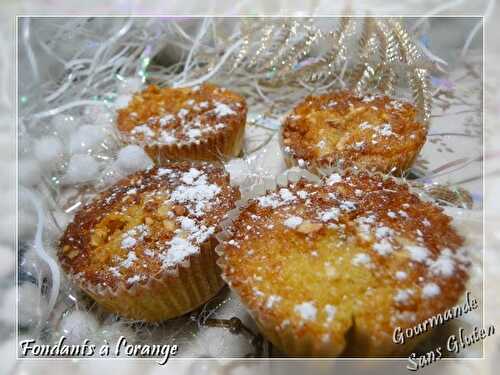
point(74, 147)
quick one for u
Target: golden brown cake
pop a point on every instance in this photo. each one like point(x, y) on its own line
point(144, 248)
point(332, 268)
point(343, 130)
point(201, 123)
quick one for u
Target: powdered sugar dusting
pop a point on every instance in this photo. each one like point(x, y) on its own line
point(330, 312)
point(365, 125)
point(403, 295)
point(187, 125)
point(418, 253)
point(145, 130)
point(306, 310)
point(128, 242)
point(380, 212)
point(331, 214)
point(444, 265)
point(130, 238)
point(272, 300)
point(179, 249)
point(385, 130)
point(383, 247)
point(361, 259)
point(196, 193)
point(274, 200)
point(286, 195)
point(131, 258)
point(430, 290)
point(268, 201)
point(293, 222)
point(168, 118)
point(222, 109)
point(401, 275)
point(333, 179)
point(190, 176)
point(383, 231)
point(134, 279)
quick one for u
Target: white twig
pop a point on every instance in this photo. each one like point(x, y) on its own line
point(123, 30)
point(261, 94)
point(215, 69)
point(60, 90)
point(196, 43)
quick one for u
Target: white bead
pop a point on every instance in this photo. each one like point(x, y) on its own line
point(8, 263)
point(78, 326)
point(121, 101)
point(48, 149)
point(86, 138)
point(81, 168)
point(132, 158)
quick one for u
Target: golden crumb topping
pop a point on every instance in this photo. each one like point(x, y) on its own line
point(150, 222)
point(375, 132)
point(168, 116)
point(357, 254)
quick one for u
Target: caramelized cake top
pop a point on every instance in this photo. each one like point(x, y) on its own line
point(357, 251)
point(168, 116)
point(343, 129)
point(149, 222)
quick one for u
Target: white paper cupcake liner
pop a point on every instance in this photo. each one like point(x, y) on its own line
point(171, 293)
